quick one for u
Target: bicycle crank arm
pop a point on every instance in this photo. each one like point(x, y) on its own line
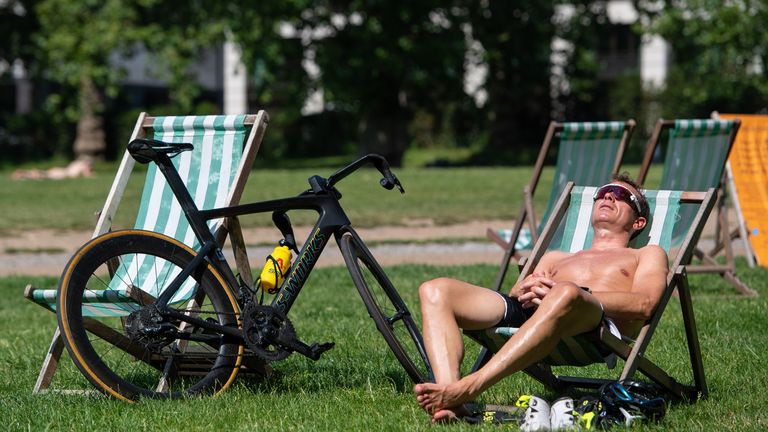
point(313, 351)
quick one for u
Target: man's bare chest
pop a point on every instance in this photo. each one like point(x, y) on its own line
point(597, 267)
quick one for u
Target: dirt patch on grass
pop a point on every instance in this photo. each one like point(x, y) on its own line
point(46, 252)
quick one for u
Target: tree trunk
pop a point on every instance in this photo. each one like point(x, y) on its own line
point(90, 143)
point(385, 135)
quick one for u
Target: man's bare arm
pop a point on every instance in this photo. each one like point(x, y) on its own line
point(647, 286)
point(542, 272)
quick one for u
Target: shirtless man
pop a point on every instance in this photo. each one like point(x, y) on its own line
point(553, 302)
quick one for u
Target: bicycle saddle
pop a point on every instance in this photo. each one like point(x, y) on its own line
point(147, 150)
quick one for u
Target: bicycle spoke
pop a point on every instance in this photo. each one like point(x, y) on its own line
point(125, 346)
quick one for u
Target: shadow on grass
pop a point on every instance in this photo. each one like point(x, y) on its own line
point(321, 377)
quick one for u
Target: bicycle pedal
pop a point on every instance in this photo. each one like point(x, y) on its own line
point(318, 349)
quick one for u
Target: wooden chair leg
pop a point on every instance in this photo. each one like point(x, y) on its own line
point(739, 285)
point(239, 250)
point(694, 349)
point(503, 267)
point(50, 364)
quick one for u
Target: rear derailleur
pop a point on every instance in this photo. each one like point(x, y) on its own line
point(147, 327)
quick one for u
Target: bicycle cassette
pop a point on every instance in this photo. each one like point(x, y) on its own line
point(148, 328)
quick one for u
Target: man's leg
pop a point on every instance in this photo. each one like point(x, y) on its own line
point(448, 305)
point(566, 310)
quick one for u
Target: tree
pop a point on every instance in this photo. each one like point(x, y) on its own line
point(516, 39)
point(79, 38)
point(383, 60)
point(273, 59)
point(720, 54)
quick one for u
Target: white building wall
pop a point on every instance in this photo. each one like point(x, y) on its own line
point(654, 61)
point(235, 80)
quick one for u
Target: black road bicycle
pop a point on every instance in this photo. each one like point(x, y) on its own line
point(202, 319)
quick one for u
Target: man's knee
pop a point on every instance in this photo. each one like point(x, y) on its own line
point(572, 308)
point(566, 295)
point(434, 291)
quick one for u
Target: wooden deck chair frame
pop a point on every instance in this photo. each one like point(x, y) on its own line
point(257, 124)
point(526, 215)
point(723, 236)
point(634, 354)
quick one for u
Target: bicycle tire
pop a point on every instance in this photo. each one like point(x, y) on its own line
point(387, 309)
point(103, 267)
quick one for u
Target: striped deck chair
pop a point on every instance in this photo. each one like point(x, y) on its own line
point(695, 159)
point(215, 173)
point(575, 204)
point(588, 153)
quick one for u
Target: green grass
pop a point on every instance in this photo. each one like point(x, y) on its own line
point(359, 386)
point(433, 195)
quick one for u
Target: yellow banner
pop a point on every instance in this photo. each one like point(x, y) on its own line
point(749, 163)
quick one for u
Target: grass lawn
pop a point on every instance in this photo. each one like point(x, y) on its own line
point(436, 195)
point(359, 386)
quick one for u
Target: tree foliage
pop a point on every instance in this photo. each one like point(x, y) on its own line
point(387, 70)
point(720, 54)
point(515, 40)
point(79, 38)
point(19, 22)
point(384, 61)
point(77, 41)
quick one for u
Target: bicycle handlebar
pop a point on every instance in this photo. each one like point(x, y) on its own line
point(388, 182)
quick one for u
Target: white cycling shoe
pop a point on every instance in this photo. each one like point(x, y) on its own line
point(562, 415)
point(536, 415)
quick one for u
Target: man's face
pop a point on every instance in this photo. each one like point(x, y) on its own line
point(617, 203)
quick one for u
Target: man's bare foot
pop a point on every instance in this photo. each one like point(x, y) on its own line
point(437, 397)
point(450, 415)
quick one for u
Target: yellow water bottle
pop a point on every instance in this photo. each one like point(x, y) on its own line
point(278, 263)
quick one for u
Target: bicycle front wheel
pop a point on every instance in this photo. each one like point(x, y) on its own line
point(121, 343)
point(393, 319)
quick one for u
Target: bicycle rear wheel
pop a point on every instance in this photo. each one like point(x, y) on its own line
point(393, 319)
point(104, 309)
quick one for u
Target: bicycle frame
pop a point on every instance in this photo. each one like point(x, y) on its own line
point(322, 198)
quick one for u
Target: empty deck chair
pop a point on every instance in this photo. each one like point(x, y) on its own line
point(695, 158)
point(215, 173)
point(588, 153)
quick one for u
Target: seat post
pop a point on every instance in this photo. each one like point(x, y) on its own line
point(184, 198)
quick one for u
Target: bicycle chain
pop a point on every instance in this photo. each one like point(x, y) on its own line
point(253, 334)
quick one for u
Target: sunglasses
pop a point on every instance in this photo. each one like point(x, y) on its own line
point(621, 193)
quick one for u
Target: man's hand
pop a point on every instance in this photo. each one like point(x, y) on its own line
point(534, 288)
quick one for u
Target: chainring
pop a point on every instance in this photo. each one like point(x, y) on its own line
point(262, 326)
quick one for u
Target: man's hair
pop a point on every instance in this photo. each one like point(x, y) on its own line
point(645, 209)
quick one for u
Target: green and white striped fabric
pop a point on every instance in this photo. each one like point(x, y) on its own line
point(578, 231)
point(695, 158)
point(586, 156)
point(577, 235)
point(573, 351)
point(208, 171)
